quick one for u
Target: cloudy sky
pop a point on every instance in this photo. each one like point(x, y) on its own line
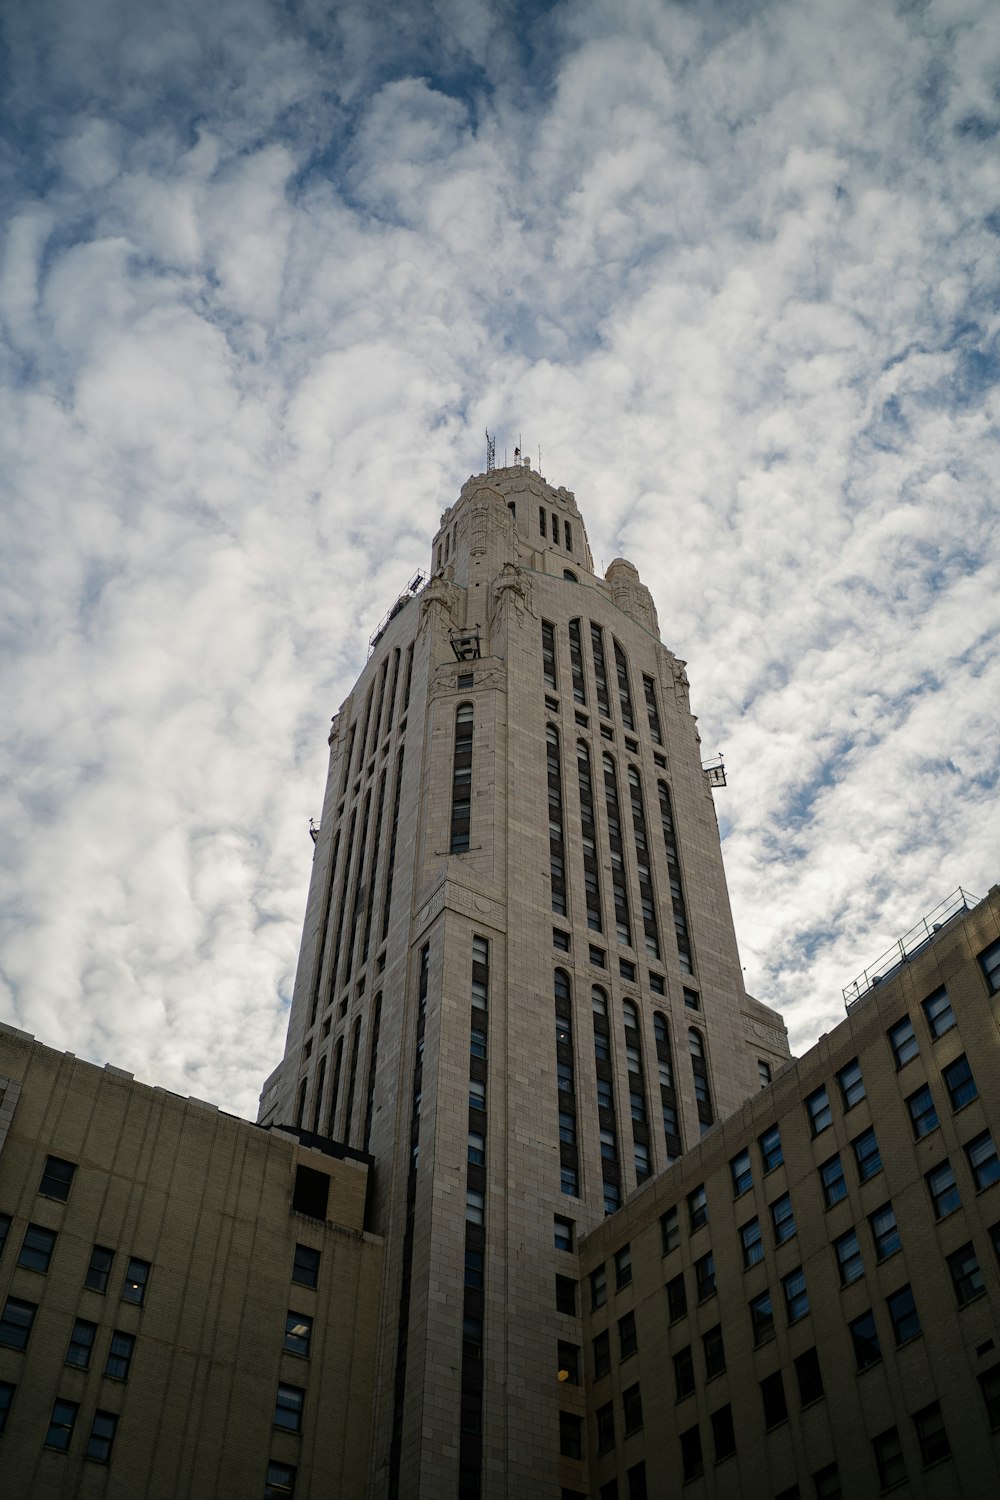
point(267, 271)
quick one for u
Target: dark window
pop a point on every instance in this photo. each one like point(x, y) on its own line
point(889, 1459)
point(937, 1009)
point(923, 1115)
point(37, 1248)
point(691, 1459)
point(885, 1232)
point(848, 1253)
point(602, 1354)
point(819, 1111)
point(903, 1041)
point(61, 1425)
point(864, 1337)
point(989, 1384)
point(683, 1373)
point(943, 1190)
point(627, 1342)
point(57, 1179)
point(81, 1344)
point(605, 1427)
point(723, 1434)
point(461, 787)
point(676, 1299)
point(771, 1154)
point(623, 1267)
point(831, 1175)
point(636, 1477)
point(933, 1440)
point(796, 1297)
point(563, 1233)
point(826, 1482)
point(566, 1295)
point(560, 940)
point(772, 1395)
point(298, 1333)
point(288, 1408)
point(570, 1435)
point(852, 1085)
point(783, 1219)
point(697, 1208)
point(809, 1377)
point(632, 1409)
point(608, 1491)
point(762, 1318)
point(280, 1483)
point(989, 962)
point(752, 1243)
point(670, 1231)
point(764, 1073)
point(102, 1436)
point(99, 1269)
point(305, 1268)
point(983, 1159)
point(714, 1351)
point(866, 1155)
point(473, 1267)
point(5, 1222)
point(903, 1312)
point(119, 1355)
point(6, 1398)
point(136, 1277)
point(312, 1191)
point(966, 1276)
point(15, 1325)
point(960, 1083)
point(477, 1148)
point(704, 1276)
point(742, 1176)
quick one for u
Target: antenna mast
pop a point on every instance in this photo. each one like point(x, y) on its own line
point(491, 452)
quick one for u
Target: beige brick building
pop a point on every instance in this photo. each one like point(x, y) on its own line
point(807, 1304)
point(519, 986)
point(188, 1303)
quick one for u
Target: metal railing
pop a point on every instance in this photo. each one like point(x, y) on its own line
point(906, 947)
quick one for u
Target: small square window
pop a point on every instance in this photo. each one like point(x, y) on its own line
point(657, 984)
point(866, 1155)
point(831, 1175)
point(57, 1179)
point(848, 1253)
point(560, 940)
point(288, 1408)
point(889, 1459)
point(931, 1435)
point(864, 1337)
point(61, 1425)
point(782, 1219)
point(623, 1267)
point(692, 1000)
point(966, 1276)
point(796, 1297)
point(923, 1115)
point(983, 1159)
point(903, 1041)
point(943, 1189)
point(626, 969)
point(298, 1333)
point(99, 1269)
point(852, 1085)
point(697, 1208)
point(598, 958)
point(305, 1269)
point(742, 1174)
point(704, 1276)
point(771, 1154)
point(676, 1299)
point(81, 1344)
point(940, 1016)
point(762, 1318)
point(280, 1483)
point(819, 1111)
point(465, 680)
point(885, 1231)
point(136, 1278)
point(752, 1243)
point(15, 1325)
point(102, 1436)
point(960, 1083)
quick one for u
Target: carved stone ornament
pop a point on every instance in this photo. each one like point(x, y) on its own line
point(438, 600)
point(631, 595)
point(513, 597)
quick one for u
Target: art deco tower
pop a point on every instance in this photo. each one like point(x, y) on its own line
point(519, 986)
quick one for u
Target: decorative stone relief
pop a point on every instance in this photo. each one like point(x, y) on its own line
point(512, 600)
point(631, 595)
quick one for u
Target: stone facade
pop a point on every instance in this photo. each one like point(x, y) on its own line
point(858, 1199)
point(455, 943)
point(154, 1252)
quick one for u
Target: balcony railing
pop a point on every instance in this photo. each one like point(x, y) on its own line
point(910, 944)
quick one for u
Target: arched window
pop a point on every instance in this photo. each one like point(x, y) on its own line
point(600, 670)
point(646, 893)
point(576, 662)
point(338, 1058)
point(352, 1079)
point(557, 848)
point(624, 691)
point(630, 1014)
point(699, 1067)
point(674, 872)
point(549, 654)
point(695, 1043)
point(570, 576)
point(372, 1069)
point(668, 1093)
point(541, 520)
point(569, 1158)
point(568, 536)
point(461, 785)
point(588, 830)
point(555, 528)
point(619, 884)
point(300, 1113)
point(318, 1101)
point(599, 1001)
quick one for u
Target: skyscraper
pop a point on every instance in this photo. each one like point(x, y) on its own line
point(519, 986)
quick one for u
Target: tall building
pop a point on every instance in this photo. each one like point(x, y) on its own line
point(519, 988)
